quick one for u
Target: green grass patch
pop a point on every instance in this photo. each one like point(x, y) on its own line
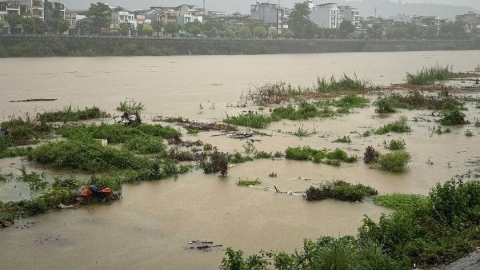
point(146, 145)
point(248, 182)
point(398, 126)
point(23, 130)
point(429, 75)
point(401, 202)
point(68, 114)
point(394, 162)
point(250, 120)
point(344, 139)
point(342, 84)
point(415, 101)
point(130, 105)
point(339, 190)
point(333, 158)
point(394, 144)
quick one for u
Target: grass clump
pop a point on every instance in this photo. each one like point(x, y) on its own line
point(415, 100)
point(238, 158)
point(429, 75)
point(398, 126)
point(453, 117)
point(343, 84)
point(394, 144)
point(23, 131)
point(339, 154)
point(333, 158)
point(401, 202)
point(344, 139)
point(248, 182)
point(263, 155)
point(250, 120)
point(300, 153)
point(83, 153)
point(145, 145)
point(130, 105)
point(339, 190)
point(69, 114)
point(352, 100)
point(394, 162)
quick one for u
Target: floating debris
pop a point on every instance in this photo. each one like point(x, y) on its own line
point(201, 245)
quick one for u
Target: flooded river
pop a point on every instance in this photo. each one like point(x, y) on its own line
point(154, 221)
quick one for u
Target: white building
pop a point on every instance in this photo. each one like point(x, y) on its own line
point(326, 15)
point(127, 17)
point(402, 18)
point(187, 14)
point(350, 13)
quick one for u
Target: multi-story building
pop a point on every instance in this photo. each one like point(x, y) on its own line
point(471, 20)
point(350, 13)
point(187, 14)
point(402, 18)
point(26, 8)
point(326, 15)
point(429, 21)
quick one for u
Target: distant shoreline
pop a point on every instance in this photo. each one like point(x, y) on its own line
point(45, 46)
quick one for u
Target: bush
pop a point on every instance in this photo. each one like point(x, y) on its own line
point(394, 162)
point(371, 155)
point(146, 145)
point(339, 190)
point(218, 162)
point(394, 144)
point(70, 114)
point(384, 105)
point(300, 153)
point(453, 117)
point(398, 126)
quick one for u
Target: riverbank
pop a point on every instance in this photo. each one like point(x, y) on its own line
point(41, 46)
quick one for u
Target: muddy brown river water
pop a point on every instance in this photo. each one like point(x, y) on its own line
point(153, 222)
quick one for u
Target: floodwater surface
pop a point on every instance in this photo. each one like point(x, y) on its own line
point(150, 227)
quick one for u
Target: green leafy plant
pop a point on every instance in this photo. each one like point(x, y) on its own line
point(394, 162)
point(394, 144)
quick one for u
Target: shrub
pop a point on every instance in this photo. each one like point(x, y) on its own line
point(339, 154)
point(249, 120)
point(371, 155)
point(394, 162)
point(300, 153)
point(398, 126)
point(384, 105)
point(401, 202)
point(69, 114)
point(218, 162)
point(145, 145)
point(453, 117)
point(344, 139)
point(238, 158)
point(262, 154)
point(248, 182)
point(339, 190)
point(394, 144)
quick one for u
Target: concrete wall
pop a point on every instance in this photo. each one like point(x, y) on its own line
point(61, 46)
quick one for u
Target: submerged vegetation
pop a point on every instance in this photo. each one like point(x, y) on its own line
point(430, 75)
point(398, 126)
point(394, 162)
point(69, 114)
point(248, 182)
point(339, 190)
point(333, 158)
point(423, 231)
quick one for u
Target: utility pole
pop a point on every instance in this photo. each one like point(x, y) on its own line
point(203, 6)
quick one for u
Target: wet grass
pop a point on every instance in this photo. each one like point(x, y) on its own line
point(250, 120)
point(394, 144)
point(68, 114)
point(399, 126)
point(415, 101)
point(394, 162)
point(342, 84)
point(333, 158)
point(340, 190)
point(344, 139)
point(429, 75)
point(248, 182)
point(401, 202)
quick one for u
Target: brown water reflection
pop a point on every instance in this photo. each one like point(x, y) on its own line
point(154, 221)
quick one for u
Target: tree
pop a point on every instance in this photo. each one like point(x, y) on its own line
point(147, 29)
point(453, 30)
point(229, 33)
point(125, 28)
point(191, 25)
point(28, 25)
point(375, 32)
point(3, 23)
point(62, 25)
point(245, 32)
point(300, 23)
point(13, 20)
point(287, 33)
point(172, 28)
point(213, 32)
point(195, 31)
point(260, 32)
point(157, 27)
point(83, 26)
point(346, 29)
point(99, 16)
point(40, 26)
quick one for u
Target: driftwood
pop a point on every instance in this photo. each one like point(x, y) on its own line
point(202, 245)
point(34, 100)
point(185, 123)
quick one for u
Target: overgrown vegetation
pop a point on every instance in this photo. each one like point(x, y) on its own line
point(453, 117)
point(217, 163)
point(394, 144)
point(130, 105)
point(398, 126)
point(339, 190)
point(248, 182)
point(371, 155)
point(68, 114)
point(319, 156)
point(394, 162)
point(423, 231)
point(415, 101)
point(343, 84)
point(430, 75)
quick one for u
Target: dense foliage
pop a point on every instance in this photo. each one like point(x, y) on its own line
point(339, 190)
